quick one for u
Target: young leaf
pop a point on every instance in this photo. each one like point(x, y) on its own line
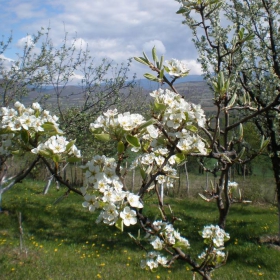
point(191, 128)
point(146, 58)
point(133, 141)
point(73, 159)
point(141, 60)
point(161, 73)
point(24, 136)
point(154, 54)
point(102, 136)
point(182, 10)
point(70, 144)
point(146, 124)
point(180, 157)
point(232, 101)
point(120, 147)
point(161, 62)
point(150, 77)
point(56, 158)
point(119, 224)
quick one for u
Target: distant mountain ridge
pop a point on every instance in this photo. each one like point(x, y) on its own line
point(193, 88)
point(150, 85)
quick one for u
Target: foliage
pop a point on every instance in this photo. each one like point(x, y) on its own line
point(237, 45)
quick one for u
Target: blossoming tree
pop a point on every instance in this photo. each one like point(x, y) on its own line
point(237, 42)
point(159, 144)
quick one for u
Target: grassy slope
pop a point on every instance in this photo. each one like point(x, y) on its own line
point(63, 242)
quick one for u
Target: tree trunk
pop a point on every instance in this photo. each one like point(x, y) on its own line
point(276, 170)
point(223, 202)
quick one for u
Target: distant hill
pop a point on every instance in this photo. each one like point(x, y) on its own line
point(149, 85)
point(192, 87)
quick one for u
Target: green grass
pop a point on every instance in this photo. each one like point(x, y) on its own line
point(62, 241)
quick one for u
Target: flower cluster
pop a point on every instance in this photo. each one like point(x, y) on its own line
point(23, 127)
point(214, 234)
point(57, 145)
point(176, 68)
point(105, 191)
point(22, 118)
point(153, 259)
point(162, 235)
point(177, 111)
point(114, 122)
point(215, 237)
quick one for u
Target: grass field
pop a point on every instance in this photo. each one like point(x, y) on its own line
point(62, 241)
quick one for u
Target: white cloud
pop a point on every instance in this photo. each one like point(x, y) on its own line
point(194, 66)
point(114, 29)
point(25, 41)
point(6, 62)
point(80, 43)
point(147, 46)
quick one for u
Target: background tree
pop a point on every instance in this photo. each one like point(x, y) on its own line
point(236, 42)
point(67, 80)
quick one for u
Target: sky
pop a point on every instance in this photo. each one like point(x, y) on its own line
point(111, 29)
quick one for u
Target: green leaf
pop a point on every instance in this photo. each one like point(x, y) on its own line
point(240, 155)
point(56, 158)
point(120, 147)
point(159, 106)
point(226, 158)
point(241, 33)
point(151, 77)
point(51, 128)
point(180, 244)
point(102, 137)
point(161, 73)
point(70, 144)
point(191, 128)
point(119, 224)
point(45, 153)
point(161, 62)
point(143, 173)
point(182, 10)
point(73, 159)
point(240, 132)
point(180, 157)
point(24, 136)
point(131, 236)
point(232, 101)
point(154, 54)
point(262, 141)
point(141, 60)
point(265, 143)
point(133, 141)
point(146, 58)
point(146, 124)
point(17, 152)
point(249, 37)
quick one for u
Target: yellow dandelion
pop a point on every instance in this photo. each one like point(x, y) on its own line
point(158, 277)
point(55, 249)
